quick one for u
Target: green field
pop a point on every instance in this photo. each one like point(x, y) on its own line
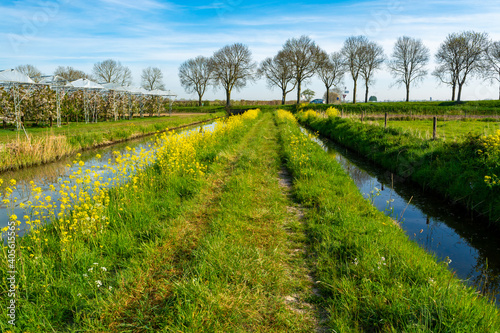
point(455, 130)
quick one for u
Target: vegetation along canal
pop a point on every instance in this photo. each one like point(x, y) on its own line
point(449, 232)
point(47, 175)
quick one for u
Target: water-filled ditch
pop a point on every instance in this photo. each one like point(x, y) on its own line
point(446, 230)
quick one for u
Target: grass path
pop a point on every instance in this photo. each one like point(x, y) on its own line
point(233, 261)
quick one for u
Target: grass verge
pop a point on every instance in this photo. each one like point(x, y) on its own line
point(465, 172)
point(227, 268)
point(371, 276)
point(99, 239)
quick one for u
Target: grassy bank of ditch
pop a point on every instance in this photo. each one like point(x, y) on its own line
point(466, 171)
point(98, 238)
point(47, 145)
point(371, 276)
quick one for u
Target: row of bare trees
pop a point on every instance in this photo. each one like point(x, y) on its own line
point(107, 71)
point(459, 57)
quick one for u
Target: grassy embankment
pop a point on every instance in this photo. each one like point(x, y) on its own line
point(195, 242)
point(466, 171)
point(491, 108)
point(47, 145)
point(371, 276)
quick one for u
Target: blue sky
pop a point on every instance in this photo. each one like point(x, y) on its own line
point(164, 34)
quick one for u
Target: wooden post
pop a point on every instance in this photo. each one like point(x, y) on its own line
point(434, 127)
point(385, 122)
point(362, 115)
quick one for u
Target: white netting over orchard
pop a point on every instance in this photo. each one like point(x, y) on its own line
point(55, 99)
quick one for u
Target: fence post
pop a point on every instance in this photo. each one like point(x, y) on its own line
point(434, 127)
point(385, 122)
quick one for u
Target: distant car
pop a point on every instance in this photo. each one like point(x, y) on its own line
point(317, 101)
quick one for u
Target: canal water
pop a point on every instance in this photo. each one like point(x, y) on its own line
point(55, 173)
point(448, 231)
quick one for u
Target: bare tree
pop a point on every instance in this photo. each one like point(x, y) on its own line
point(461, 55)
point(30, 71)
point(278, 71)
point(492, 63)
point(112, 71)
point(304, 56)
point(232, 68)
point(152, 78)
point(354, 56)
point(373, 59)
point(195, 75)
point(331, 71)
point(70, 74)
point(409, 58)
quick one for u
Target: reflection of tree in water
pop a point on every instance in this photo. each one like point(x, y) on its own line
point(358, 175)
point(485, 278)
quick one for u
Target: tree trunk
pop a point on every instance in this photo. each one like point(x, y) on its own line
point(228, 98)
point(459, 92)
point(354, 92)
point(298, 92)
point(454, 86)
point(283, 97)
point(327, 94)
point(366, 92)
point(408, 92)
point(199, 100)
point(50, 120)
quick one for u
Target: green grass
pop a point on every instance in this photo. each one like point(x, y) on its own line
point(371, 276)
point(104, 130)
point(456, 170)
point(58, 291)
point(47, 145)
point(455, 130)
point(419, 108)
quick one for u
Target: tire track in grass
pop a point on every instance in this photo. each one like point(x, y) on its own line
point(306, 300)
point(241, 275)
point(138, 307)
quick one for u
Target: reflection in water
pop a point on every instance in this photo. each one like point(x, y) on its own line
point(436, 225)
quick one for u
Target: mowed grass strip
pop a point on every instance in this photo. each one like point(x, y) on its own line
point(372, 277)
point(237, 278)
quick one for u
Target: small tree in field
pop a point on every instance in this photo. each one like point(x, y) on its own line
point(195, 75)
point(331, 71)
point(278, 71)
point(152, 78)
point(232, 68)
point(30, 71)
point(308, 94)
point(460, 56)
point(304, 55)
point(409, 58)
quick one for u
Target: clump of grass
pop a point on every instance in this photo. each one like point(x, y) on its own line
point(372, 276)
